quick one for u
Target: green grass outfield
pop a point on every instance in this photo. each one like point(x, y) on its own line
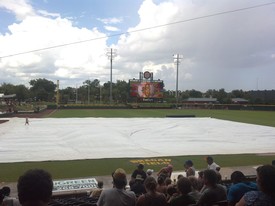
point(266, 118)
point(9, 172)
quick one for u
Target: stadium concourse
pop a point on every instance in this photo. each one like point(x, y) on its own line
point(94, 138)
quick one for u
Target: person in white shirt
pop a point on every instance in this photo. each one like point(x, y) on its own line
point(211, 164)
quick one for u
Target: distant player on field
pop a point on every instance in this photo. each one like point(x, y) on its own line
point(27, 121)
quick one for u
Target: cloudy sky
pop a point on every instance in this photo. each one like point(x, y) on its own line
point(224, 43)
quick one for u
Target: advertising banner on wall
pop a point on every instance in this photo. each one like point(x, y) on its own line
point(74, 184)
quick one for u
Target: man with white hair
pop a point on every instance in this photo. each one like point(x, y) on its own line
point(117, 196)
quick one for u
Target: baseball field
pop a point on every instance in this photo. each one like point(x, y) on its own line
point(9, 172)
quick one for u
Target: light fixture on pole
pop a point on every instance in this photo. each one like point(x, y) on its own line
point(111, 54)
point(177, 60)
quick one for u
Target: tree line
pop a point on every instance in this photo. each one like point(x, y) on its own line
point(92, 92)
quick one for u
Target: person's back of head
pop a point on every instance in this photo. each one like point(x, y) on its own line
point(210, 177)
point(184, 185)
point(171, 189)
point(35, 187)
point(237, 177)
point(160, 180)
point(6, 191)
point(150, 184)
point(119, 178)
point(266, 179)
point(167, 181)
point(194, 182)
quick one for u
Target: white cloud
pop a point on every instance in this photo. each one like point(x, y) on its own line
point(111, 28)
point(216, 50)
point(21, 8)
point(110, 20)
point(36, 32)
point(227, 51)
point(45, 13)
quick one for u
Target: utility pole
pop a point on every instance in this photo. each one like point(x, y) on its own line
point(76, 94)
point(88, 85)
point(111, 54)
point(57, 94)
point(177, 60)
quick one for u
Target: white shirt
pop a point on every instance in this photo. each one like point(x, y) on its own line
point(213, 166)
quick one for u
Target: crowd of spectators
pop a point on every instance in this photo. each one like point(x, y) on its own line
point(201, 189)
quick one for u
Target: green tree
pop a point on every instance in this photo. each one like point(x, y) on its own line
point(195, 94)
point(67, 95)
point(93, 90)
point(22, 92)
point(42, 89)
point(7, 88)
point(211, 93)
point(223, 97)
point(121, 91)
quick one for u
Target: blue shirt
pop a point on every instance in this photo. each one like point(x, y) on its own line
point(236, 191)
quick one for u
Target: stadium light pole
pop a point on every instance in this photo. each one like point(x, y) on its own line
point(76, 94)
point(111, 54)
point(177, 60)
point(88, 85)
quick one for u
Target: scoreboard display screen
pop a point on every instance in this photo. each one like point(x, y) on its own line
point(146, 89)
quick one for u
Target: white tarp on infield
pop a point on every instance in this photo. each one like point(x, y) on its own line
point(94, 138)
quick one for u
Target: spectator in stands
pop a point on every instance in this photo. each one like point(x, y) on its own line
point(96, 192)
point(1, 196)
point(239, 188)
point(149, 172)
point(168, 181)
point(7, 200)
point(219, 181)
point(161, 187)
point(195, 190)
point(117, 196)
point(200, 180)
point(183, 199)
point(166, 171)
point(266, 185)
point(152, 197)
point(213, 191)
point(179, 176)
point(6, 191)
point(171, 192)
point(139, 171)
point(34, 188)
point(211, 164)
point(138, 187)
point(189, 168)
